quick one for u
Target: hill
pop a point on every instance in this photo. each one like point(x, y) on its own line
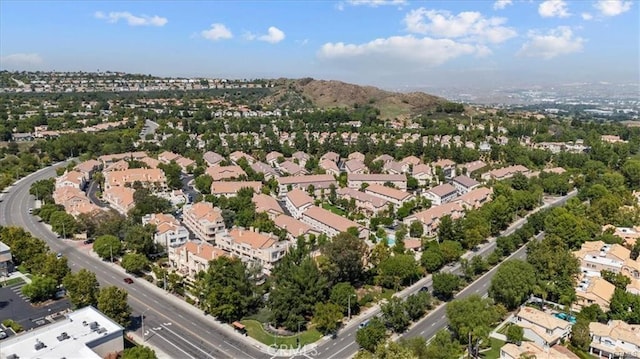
point(328, 94)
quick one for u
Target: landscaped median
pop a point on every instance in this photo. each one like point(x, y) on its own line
point(257, 332)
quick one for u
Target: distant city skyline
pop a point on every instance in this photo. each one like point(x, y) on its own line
point(386, 43)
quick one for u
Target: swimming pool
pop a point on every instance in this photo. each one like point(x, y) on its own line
point(391, 240)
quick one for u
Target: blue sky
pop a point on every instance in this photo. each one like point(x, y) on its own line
point(388, 43)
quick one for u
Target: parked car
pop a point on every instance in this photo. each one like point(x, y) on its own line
point(89, 240)
point(59, 255)
point(3, 334)
point(128, 280)
point(363, 324)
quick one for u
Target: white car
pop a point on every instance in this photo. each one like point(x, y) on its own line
point(3, 334)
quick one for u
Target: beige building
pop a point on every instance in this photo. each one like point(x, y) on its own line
point(231, 189)
point(267, 204)
point(169, 232)
point(356, 181)
point(593, 290)
point(252, 246)
point(614, 340)
point(530, 350)
point(120, 198)
point(294, 227)
point(148, 177)
point(505, 172)
point(330, 223)
point(364, 201)
point(441, 194)
point(391, 195)
point(430, 218)
point(220, 173)
point(542, 328)
point(193, 257)
point(319, 182)
point(204, 220)
point(297, 201)
point(475, 198)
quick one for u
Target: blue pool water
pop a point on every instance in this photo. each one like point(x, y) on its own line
point(569, 318)
point(391, 240)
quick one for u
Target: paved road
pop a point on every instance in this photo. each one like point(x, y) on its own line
point(178, 329)
point(345, 346)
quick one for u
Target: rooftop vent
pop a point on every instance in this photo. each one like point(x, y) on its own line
point(84, 323)
point(13, 356)
point(39, 345)
point(102, 330)
point(94, 326)
point(63, 336)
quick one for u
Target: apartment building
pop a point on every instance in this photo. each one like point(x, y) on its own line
point(297, 201)
point(193, 257)
point(148, 177)
point(448, 167)
point(441, 194)
point(615, 340)
point(294, 227)
point(542, 328)
point(231, 188)
point(267, 204)
point(330, 156)
point(169, 232)
point(212, 159)
point(273, 157)
point(252, 246)
point(530, 350)
point(329, 167)
point(319, 183)
point(356, 181)
point(106, 160)
point(221, 173)
point(119, 198)
point(593, 290)
point(204, 220)
point(235, 156)
point(475, 198)
point(505, 173)
point(330, 223)
point(292, 169)
point(391, 195)
point(88, 168)
point(430, 218)
point(596, 256)
point(464, 184)
point(423, 173)
point(364, 201)
point(268, 171)
point(355, 166)
point(72, 179)
point(470, 167)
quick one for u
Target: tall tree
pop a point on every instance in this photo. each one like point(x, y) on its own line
point(512, 284)
point(107, 247)
point(327, 317)
point(395, 316)
point(82, 288)
point(112, 301)
point(373, 334)
point(345, 255)
point(473, 315)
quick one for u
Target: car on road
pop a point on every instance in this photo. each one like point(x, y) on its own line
point(59, 255)
point(30, 210)
point(128, 280)
point(3, 334)
point(89, 240)
point(363, 324)
point(424, 289)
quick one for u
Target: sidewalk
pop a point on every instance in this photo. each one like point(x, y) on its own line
point(136, 339)
point(17, 274)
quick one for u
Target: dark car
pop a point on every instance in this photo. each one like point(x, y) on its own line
point(128, 280)
point(424, 289)
point(89, 240)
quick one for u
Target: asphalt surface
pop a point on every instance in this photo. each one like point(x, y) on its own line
point(175, 327)
point(182, 331)
point(14, 305)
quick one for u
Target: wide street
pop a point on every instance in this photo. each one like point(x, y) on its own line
point(181, 330)
point(177, 328)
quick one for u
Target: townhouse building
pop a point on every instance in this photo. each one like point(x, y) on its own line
point(530, 350)
point(147, 177)
point(72, 179)
point(357, 180)
point(204, 220)
point(222, 173)
point(231, 188)
point(294, 227)
point(364, 201)
point(119, 198)
point(505, 173)
point(423, 173)
point(391, 195)
point(447, 166)
point(441, 194)
point(430, 218)
point(330, 156)
point(542, 328)
point(74, 201)
point(292, 169)
point(593, 290)
point(273, 157)
point(266, 170)
point(235, 156)
point(88, 168)
point(615, 340)
point(169, 232)
point(464, 184)
point(475, 198)
point(193, 257)
point(297, 201)
point(330, 223)
point(267, 204)
point(329, 167)
point(252, 246)
point(212, 158)
point(470, 167)
point(355, 166)
point(317, 182)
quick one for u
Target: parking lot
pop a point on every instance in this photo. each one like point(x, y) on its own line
point(13, 305)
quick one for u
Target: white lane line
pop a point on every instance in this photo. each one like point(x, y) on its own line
point(340, 351)
point(433, 324)
point(240, 350)
point(173, 345)
point(422, 332)
point(188, 342)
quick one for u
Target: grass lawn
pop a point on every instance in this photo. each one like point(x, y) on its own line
point(255, 331)
point(333, 209)
point(12, 281)
point(494, 352)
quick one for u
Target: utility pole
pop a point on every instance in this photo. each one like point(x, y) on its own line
point(349, 305)
point(165, 281)
point(111, 252)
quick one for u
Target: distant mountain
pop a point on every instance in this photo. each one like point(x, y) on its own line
point(328, 94)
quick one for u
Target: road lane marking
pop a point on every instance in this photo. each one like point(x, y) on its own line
point(173, 345)
point(188, 342)
point(341, 350)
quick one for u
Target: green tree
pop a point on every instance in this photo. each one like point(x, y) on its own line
point(417, 304)
point(451, 251)
point(43, 189)
point(134, 262)
point(555, 267)
point(82, 288)
point(397, 271)
point(172, 173)
point(373, 334)
point(416, 229)
point(40, 289)
point(327, 317)
point(631, 171)
point(112, 301)
point(513, 283)
point(472, 315)
point(445, 284)
point(618, 279)
point(227, 291)
point(107, 247)
point(139, 352)
point(203, 183)
point(443, 346)
point(515, 334)
point(344, 295)
point(139, 238)
point(394, 315)
point(592, 313)
point(345, 254)
point(580, 337)
point(432, 258)
point(49, 265)
point(64, 224)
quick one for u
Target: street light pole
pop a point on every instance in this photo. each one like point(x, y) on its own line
point(349, 304)
point(111, 252)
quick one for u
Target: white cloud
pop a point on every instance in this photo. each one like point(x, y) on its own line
point(273, 36)
point(397, 50)
point(586, 16)
point(376, 3)
point(469, 25)
point(613, 7)
point(132, 20)
point(217, 32)
point(556, 42)
point(553, 8)
point(20, 60)
point(501, 4)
